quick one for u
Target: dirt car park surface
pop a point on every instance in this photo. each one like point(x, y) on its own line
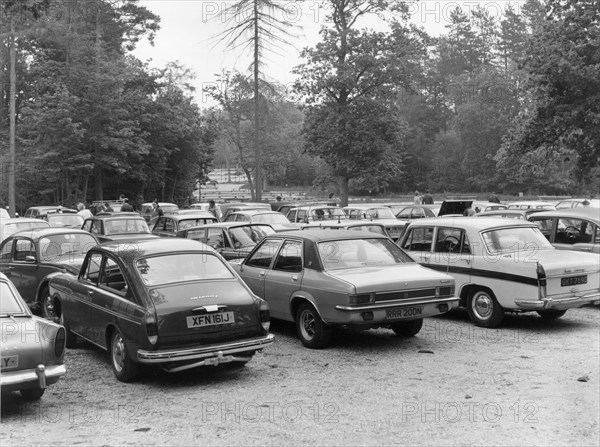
point(531, 382)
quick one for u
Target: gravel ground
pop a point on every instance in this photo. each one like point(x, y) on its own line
point(532, 382)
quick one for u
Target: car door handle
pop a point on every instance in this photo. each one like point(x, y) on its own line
point(262, 273)
point(294, 277)
point(11, 268)
point(585, 249)
point(90, 292)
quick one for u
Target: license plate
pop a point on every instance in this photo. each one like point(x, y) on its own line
point(403, 312)
point(573, 281)
point(210, 319)
point(9, 362)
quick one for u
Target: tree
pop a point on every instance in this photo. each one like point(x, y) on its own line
point(348, 82)
point(257, 28)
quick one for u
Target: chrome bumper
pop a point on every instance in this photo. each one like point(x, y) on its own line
point(38, 377)
point(560, 303)
point(451, 301)
point(218, 352)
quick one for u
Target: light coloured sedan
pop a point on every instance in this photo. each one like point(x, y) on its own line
point(320, 279)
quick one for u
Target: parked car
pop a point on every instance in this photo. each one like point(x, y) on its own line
point(503, 265)
point(412, 212)
point(69, 220)
point(39, 212)
point(27, 257)
point(4, 214)
point(204, 207)
point(169, 225)
point(309, 213)
point(578, 203)
point(458, 207)
point(528, 204)
point(522, 214)
point(571, 228)
point(32, 348)
point(11, 226)
point(232, 207)
point(115, 226)
point(273, 218)
point(320, 279)
point(347, 224)
point(148, 209)
point(232, 240)
point(169, 302)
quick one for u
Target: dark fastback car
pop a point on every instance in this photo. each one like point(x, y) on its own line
point(117, 226)
point(28, 256)
point(169, 302)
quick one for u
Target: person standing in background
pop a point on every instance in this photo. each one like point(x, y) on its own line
point(82, 211)
point(417, 199)
point(126, 207)
point(427, 199)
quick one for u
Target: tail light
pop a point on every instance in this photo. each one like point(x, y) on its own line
point(541, 276)
point(362, 298)
point(151, 328)
point(265, 315)
point(59, 342)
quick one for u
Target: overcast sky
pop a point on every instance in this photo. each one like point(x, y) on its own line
point(189, 30)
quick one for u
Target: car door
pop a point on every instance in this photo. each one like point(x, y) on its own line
point(418, 243)
point(114, 304)
point(78, 309)
point(452, 254)
point(284, 278)
point(254, 269)
point(23, 268)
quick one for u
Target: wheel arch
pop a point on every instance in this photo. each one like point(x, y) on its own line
point(297, 300)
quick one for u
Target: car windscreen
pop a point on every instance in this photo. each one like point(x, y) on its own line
point(524, 239)
point(248, 236)
point(65, 220)
point(351, 253)
point(372, 228)
point(124, 226)
point(181, 267)
point(184, 224)
point(381, 213)
point(59, 246)
point(11, 227)
point(9, 304)
point(270, 218)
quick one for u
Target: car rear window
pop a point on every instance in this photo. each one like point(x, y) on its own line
point(350, 253)
point(526, 239)
point(9, 304)
point(182, 267)
point(59, 246)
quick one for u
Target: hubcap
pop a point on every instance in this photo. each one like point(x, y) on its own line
point(118, 351)
point(482, 306)
point(307, 324)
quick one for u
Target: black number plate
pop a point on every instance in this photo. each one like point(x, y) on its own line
point(573, 281)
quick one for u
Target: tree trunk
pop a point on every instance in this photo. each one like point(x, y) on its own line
point(257, 152)
point(344, 191)
point(12, 158)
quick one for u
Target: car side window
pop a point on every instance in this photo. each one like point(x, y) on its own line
point(87, 225)
point(264, 255)
point(197, 235)
point(404, 213)
point(214, 237)
point(419, 239)
point(92, 271)
point(112, 277)
point(572, 231)
point(6, 252)
point(23, 248)
point(451, 240)
point(289, 258)
point(96, 227)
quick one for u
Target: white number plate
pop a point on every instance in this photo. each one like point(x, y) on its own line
point(9, 362)
point(392, 314)
point(210, 319)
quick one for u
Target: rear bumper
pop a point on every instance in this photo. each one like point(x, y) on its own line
point(560, 302)
point(428, 308)
point(214, 351)
point(38, 377)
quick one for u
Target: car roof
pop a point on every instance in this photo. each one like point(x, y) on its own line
point(364, 206)
point(120, 215)
point(22, 219)
point(468, 222)
point(37, 233)
point(254, 212)
point(43, 207)
point(229, 225)
point(149, 247)
point(190, 215)
point(321, 235)
point(160, 203)
point(523, 212)
point(588, 213)
point(344, 224)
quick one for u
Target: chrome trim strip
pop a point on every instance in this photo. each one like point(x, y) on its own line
point(400, 303)
point(31, 375)
point(566, 302)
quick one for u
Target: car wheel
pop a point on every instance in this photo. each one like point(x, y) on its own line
point(551, 314)
point(408, 328)
point(124, 368)
point(32, 393)
point(46, 305)
point(313, 332)
point(70, 337)
point(484, 310)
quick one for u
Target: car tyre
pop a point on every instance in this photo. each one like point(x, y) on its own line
point(32, 394)
point(551, 314)
point(483, 309)
point(70, 337)
point(46, 307)
point(123, 366)
point(312, 331)
point(408, 328)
